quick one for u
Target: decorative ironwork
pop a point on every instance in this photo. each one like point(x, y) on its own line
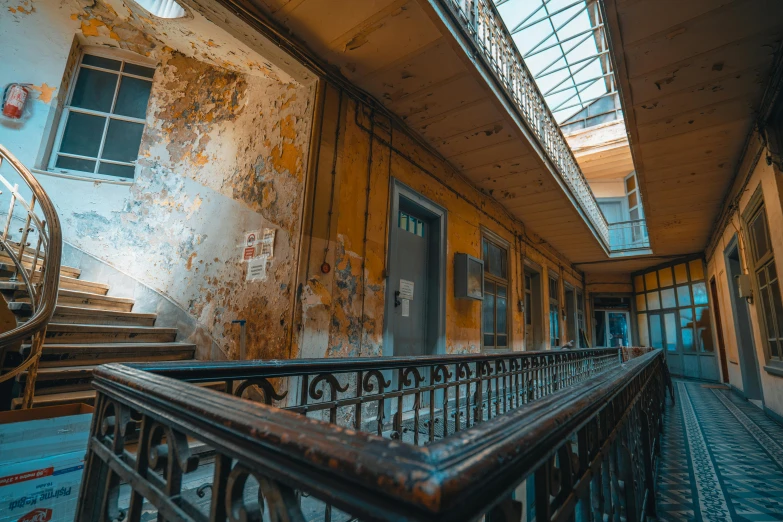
point(161, 447)
point(481, 23)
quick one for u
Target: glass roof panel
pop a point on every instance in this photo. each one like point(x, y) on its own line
point(564, 46)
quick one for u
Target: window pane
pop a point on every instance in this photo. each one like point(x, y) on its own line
point(630, 184)
point(133, 97)
point(774, 289)
point(112, 169)
point(64, 162)
point(644, 334)
point(758, 231)
point(684, 295)
point(665, 277)
point(123, 140)
point(697, 270)
point(634, 214)
point(703, 330)
point(638, 283)
point(100, 61)
point(641, 304)
point(671, 332)
point(502, 341)
point(488, 305)
point(502, 313)
point(494, 256)
point(762, 274)
point(138, 70)
point(653, 301)
point(766, 307)
point(667, 298)
point(686, 329)
point(656, 333)
point(94, 90)
point(700, 293)
point(502, 290)
point(528, 309)
point(632, 200)
point(83, 134)
point(651, 280)
point(680, 274)
point(489, 340)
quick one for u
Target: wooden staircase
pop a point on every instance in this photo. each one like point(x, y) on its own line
point(89, 328)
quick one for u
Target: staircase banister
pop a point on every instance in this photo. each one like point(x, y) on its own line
point(44, 301)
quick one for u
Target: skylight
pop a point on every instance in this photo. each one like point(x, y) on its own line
point(564, 45)
point(163, 8)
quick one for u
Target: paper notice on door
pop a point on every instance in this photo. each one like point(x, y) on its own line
point(406, 289)
point(256, 269)
point(406, 308)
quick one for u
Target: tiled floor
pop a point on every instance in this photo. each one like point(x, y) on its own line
point(721, 458)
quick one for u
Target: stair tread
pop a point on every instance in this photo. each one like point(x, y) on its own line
point(89, 295)
point(83, 395)
point(76, 310)
point(118, 346)
point(108, 328)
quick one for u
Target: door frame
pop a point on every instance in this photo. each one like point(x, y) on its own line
point(606, 312)
point(746, 352)
point(436, 314)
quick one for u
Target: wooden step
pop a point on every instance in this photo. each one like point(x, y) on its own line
point(55, 355)
point(59, 333)
point(85, 300)
point(78, 315)
point(66, 283)
point(85, 396)
point(7, 265)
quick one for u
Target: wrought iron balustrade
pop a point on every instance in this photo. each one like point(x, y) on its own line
point(626, 236)
point(580, 431)
point(483, 26)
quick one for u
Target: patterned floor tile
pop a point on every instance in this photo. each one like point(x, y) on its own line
point(721, 459)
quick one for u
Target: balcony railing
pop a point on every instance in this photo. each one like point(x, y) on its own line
point(469, 436)
point(482, 24)
point(628, 236)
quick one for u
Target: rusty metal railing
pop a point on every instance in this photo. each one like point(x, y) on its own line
point(482, 24)
point(35, 271)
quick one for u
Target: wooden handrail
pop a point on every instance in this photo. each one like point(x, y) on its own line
point(45, 258)
point(571, 443)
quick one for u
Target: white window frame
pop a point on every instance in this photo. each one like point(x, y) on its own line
point(113, 54)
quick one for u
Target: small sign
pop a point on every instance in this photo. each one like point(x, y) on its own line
point(406, 289)
point(256, 269)
point(250, 253)
point(406, 308)
point(268, 243)
point(251, 238)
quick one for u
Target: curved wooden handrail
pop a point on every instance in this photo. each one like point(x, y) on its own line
point(45, 262)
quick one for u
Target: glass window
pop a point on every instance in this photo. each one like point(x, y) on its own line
point(667, 298)
point(653, 301)
point(671, 331)
point(684, 295)
point(697, 270)
point(665, 277)
point(638, 283)
point(103, 120)
point(656, 331)
point(651, 280)
point(630, 183)
point(641, 304)
point(699, 293)
point(554, 312)
point(644, 334)
point(771, 306)
point(495, 304)
point(759, 234)
point(680, 274)
point(686, 329)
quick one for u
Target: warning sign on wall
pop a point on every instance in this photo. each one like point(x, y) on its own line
point(250, 253)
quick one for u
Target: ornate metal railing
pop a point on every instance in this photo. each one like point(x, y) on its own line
point(625, 236)
point(163, 447)
point(481, 23)
point(34, 271)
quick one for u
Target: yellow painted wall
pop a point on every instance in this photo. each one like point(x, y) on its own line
point(331, 305)
point(765, 177)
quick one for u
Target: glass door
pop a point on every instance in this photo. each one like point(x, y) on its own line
point(663, 334)
point(617, 331)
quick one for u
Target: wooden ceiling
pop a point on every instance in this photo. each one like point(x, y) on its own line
point(692, 74)
point(405, 55)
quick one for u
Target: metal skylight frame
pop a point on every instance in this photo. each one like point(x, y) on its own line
point(569, 57)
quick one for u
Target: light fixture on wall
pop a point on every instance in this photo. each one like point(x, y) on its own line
point(163, 8)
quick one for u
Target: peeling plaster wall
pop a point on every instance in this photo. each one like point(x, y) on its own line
point(224, 152)
point(330, 305)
